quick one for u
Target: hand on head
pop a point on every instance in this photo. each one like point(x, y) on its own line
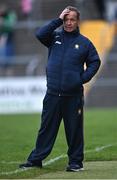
point(64, 13)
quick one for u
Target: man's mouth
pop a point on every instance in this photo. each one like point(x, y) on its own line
point(68, 27)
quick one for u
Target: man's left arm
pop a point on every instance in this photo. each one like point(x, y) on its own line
point(92, 64)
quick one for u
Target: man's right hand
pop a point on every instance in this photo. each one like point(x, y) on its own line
point(64, 13)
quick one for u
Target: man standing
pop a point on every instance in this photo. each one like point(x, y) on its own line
point(68, 52)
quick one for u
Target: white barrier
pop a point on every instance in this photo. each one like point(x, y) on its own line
point(22, 94)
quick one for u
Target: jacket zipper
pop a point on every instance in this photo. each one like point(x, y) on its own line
point(61, 70)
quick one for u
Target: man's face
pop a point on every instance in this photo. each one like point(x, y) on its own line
point(71, 22)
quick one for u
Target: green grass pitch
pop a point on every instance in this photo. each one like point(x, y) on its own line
point(17, 139)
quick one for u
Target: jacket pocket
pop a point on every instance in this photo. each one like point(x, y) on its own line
point(71, 81)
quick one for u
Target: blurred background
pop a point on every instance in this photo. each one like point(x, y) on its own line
point(23, 58)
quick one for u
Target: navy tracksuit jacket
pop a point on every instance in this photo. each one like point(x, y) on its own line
point(68, 52)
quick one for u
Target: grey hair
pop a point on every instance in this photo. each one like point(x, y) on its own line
point(72, 8)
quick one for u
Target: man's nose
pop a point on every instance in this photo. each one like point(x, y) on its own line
point(69, 22)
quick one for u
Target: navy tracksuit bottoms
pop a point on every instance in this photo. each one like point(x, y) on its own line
point(56, 108)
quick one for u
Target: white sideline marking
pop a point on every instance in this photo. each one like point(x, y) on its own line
point(14, 172)
point(97, 149)
point(55, 159)
point(50, 161)
point(26, 169)
point(11, 162)
point(103, 147)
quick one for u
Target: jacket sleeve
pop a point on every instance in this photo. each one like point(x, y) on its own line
point(92, 64)
point(45, 34)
